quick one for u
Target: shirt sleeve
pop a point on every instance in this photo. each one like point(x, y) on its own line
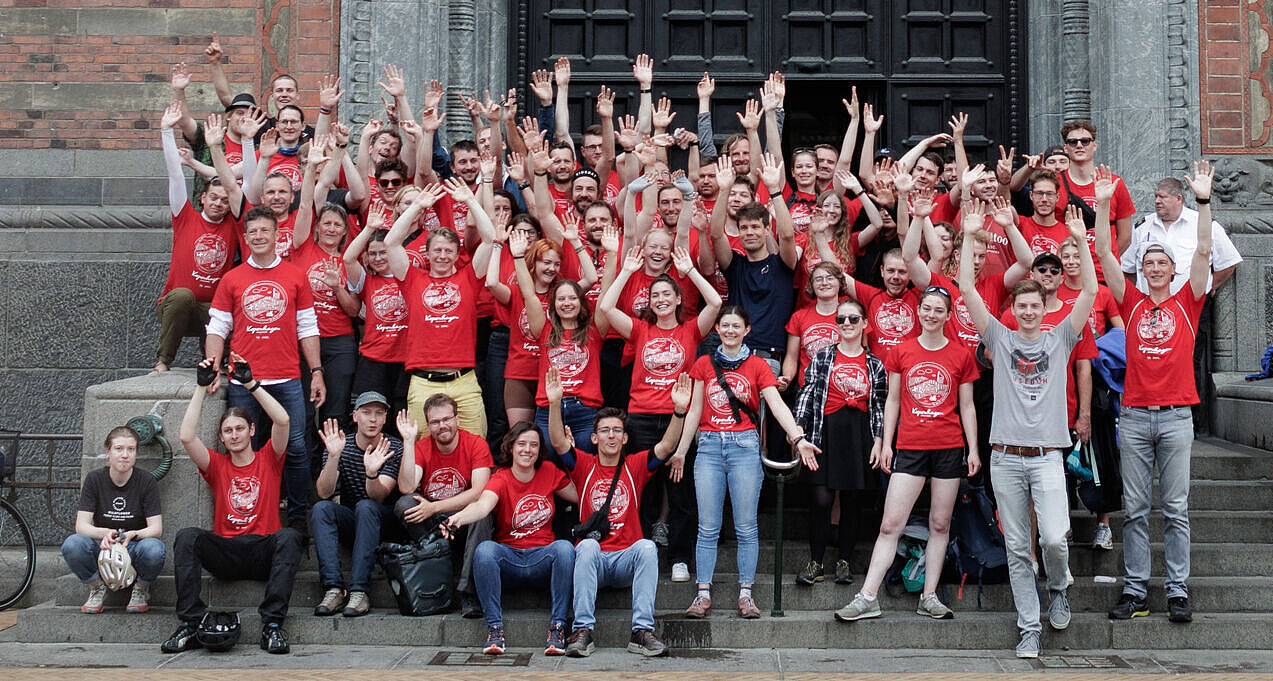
point(220, 322)
point(1223, 253)
point(306, 323)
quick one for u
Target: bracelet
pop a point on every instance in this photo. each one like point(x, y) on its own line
point(539, 173)
point(341, 146)
point(580, 248)
point(324, 109)
point(486, 181)
point(694, 143)
point(523, 185)
point(255, 386)
point(497, 245)
point(647, 90)
point(373, 477)
point(1202, 202)
point(678, 414)
point(792, 441)
point(315, 370)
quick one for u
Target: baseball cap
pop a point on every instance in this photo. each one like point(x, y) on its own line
point(1054, 151)
point(370, 397)
point(1046, 257)
point(1156, 247)
point(243, 99)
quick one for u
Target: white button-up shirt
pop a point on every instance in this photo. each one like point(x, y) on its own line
point(1182, 237)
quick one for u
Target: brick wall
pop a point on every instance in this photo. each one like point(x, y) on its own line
point(1236, 84)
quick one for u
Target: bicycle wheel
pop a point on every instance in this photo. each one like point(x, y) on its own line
point(17, 555)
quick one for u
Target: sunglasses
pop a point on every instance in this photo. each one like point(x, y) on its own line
point(848, 318)
point(390, 183)
point(1048, 269)
point(937, 289)
point(1079, 141)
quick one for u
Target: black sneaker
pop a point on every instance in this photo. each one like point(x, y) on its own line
point(580, 643)
point(811, 573)
point(182, 639)
point(494, 640)
point(274, 640)
point(644, 642)
point(843, 575)
point(1129, 606)
point(1178, 607)
point(470, 607)
point(556, 644)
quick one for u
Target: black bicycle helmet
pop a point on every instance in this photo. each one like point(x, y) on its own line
point(218, 631)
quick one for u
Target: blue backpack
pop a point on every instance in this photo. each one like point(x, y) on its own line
point(976, 548)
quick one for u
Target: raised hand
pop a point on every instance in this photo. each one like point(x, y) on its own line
point(431, 120)
point(646, 153)
point(684, 263)
point(724, 173)
point(684, 138)
point(412, 128)
point(1074, 223)
point(539, 159)
point(771, 173)
point(662, 115)
point(180, 78)
point(1033, 161)
point(749, 117)
point(331, 273)
point(883, 191)
point(1003, 169)
point(605, 102)
point(634, 260)
point(778, 86)
point(851, 104)
point(971, 176)
point(570, 230)
point(769, 99)
point(171, 115)
point(408, 429)
point(333, 438)
point(371, 128)
point(252, 123)
point(393, 84)
point(1106, 183)
point(374, 459)
point(643, 71)
point(1004, 216)
point(1200, 182)
point(239, 369)
point(561, 72)
point(214, 130)
point(518, 243)
point(542, 87)
point(903, 182)
point(974, 211)
point(958, 124)
point(213, 51)
point(434, 91)
point(706, 86)
point(329, 92)
point(205, 373)
point(611, 238)
point(818, 223)
point(848, 180)
point(510, 106)
point(517, 167)
point(429, 195)
point(628, 136)
point(269, 143)
point(552, 386)
point(492, 110)
point(682, 392)
point(922, 202)
point(486, 163)
point(870, 123)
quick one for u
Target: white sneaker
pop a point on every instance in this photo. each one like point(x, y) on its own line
point(680, 572)
point(139, 601)
point(1104, 538)
point(96, 600)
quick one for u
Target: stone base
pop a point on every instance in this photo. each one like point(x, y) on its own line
point(1244, 410)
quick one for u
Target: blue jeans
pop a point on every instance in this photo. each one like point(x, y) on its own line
point(296, 480)
point(575, 415)
point(1022, 483)
point(80, 552)
point(332, 524)
point(636, 566)
point(1164, 438)
point(494, 562)
point(493, 386)
point(728, 461)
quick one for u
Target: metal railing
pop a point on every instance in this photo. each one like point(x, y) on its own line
point(12, 451)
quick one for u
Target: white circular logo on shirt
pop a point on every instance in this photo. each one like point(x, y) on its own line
point(523, 323)
point(570, 358)
point(618, 504)
point(210, 253)
point(118, 503)
point(929, 384)
point(418, 260)
point(1157, 326)
point(640, 300)
point(1040, 244)
point(315, 274)
point(663, 356)
point(244, 493)
point(444, 483)
point(283, 245)
point(963, 316)
point(737, 383)
point(850, 379)
point(894, 317)
point(530, 513)
point(388, 304)
point(818, 336)
point(264, 302)
point(441, 297)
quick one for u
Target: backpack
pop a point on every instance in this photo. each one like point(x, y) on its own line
point(906, 574)
point(976, 549)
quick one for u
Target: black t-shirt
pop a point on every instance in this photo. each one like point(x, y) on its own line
point(765, 288)
point(120, 508)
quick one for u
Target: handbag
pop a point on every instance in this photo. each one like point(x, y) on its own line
point(419, 574)
point(597, 526)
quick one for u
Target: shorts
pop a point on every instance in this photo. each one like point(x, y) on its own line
point(942, 464)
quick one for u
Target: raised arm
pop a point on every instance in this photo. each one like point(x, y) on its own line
point(352, 256)
point(518, 244)
point(1087, 271)
point(720, 213)
point(177, 196)
point(772, 175)
point(643, 72)
point(213, 53)
point(205, 374)
point(974, 218)
point(1006, 217)
point(561, 114)
point(399, 262)
point(705, 89)
point(605, 111)
point(682, 391)
point(1200, 266)
point(866, 158)
point(844, 162)
point(241, 372)
point(1104, 190)
point(556, 429)
point(214, 136)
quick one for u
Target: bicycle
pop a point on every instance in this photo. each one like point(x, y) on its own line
point(17, 545)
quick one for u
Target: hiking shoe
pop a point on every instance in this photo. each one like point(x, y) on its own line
point(470, 607)
point(1059, 611)
point(747, 608)
point(811, 573)
point(1178, 609)
point(644, 642)
point(556, 639)
point(333, 602)
point(1129, 606)
point(494, 640)
point(843, 575)
point(658, 533)
point(1029, 645)
point(182, 639)
point(96, 600)
point(680, 572)
point(359, 604)
point(700, 608)
point(139, 601)
point(1104, 537)
point(580, 643)
point(931, 606)
point(859, 608)
point(274, 640)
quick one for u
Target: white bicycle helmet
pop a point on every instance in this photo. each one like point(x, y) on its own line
point(116, 567)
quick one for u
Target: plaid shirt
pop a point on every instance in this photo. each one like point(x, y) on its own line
point(813, 397)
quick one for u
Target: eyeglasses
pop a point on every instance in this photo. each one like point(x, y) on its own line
point(592, 146)
point(437, 423)
point(1048, 269)
point(824, 279)
point(937, 289)
point(848, 318)
point(616, 430)
point(1043, 195)
point(1079, 141)
point(390, 183)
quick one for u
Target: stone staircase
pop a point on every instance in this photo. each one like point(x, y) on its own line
point(1230, 587)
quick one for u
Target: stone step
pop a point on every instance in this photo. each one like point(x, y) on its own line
point(526, 631)
point(1216, 459)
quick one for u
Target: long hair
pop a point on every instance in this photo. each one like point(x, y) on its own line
point(558, 333)
point(841, 233)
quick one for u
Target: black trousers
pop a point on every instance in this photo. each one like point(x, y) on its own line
point(645, 431)
point(269, 558)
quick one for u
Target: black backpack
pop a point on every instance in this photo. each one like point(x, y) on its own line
point(419, 573)
point(976, 549)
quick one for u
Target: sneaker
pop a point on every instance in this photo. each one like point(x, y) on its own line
point(931, 606)
point(811, 573)
point(96, 600)
point(680, 572)
point(580, 643)
point(658, 533)
point(1129, 606)
point(359, 604)
point(274, 640)
point(1059, 611)
point(333, 602)
point(1029, 645)
point(747, 608)
point(700, 608)
point(182, 639)
point(494, 640)
point(139, 601)
point(843, 575)
point(556, 639)
point(1178, 609)
point(644, 642)
point(470, 607)
point(1104, 537)
point(859, 608)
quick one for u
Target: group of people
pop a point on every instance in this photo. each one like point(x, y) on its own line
point(627, 336)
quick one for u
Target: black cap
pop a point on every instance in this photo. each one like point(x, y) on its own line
point(587, 172)
point(1046, 257)
point(243, 99)
point(1054, 151)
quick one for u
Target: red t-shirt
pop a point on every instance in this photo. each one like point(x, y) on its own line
point(562, 205)
point(384, 336)
point(443, 321)
point(746, 382)
point(929, 415)
point(1160, 342)
point(661, 356)
point(800, 206)
point(446, 475)
point(849, 384)
point(811, 258)
point(892, 320)
point(264, 303)
point(1084, 349)
point(234, 153)
point(289, 166)
point(944, 211)
point(202, 252)
point(579, 366)
point(282, 244)
point(1044, 239)
point(1103, 309)
point(332, 319)
point(524, 512)
point(523, 344)
point(960, 327)
point(1120, 207)
point(815, 331)
point(999, 255)
point(593, 482)
point(245, 498)
point(635, 297)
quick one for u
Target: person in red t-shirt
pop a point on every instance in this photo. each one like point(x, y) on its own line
point(1105, 313)
point(1042, 230)
point(1156, 425)
point(728, 387)
point(246, 540)
point(1080, 177)
point(616, 555)
point(384, 338)
point(930, 410)
point(521, 493)
point(813, 328)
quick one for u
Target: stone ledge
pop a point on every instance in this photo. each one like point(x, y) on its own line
point(86, 217)
point(1244, 410)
